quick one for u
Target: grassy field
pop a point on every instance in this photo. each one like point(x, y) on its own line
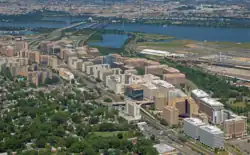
point(239, 104)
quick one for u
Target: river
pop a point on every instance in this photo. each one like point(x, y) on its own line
point(180, 32)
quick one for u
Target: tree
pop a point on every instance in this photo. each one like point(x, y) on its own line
point(107, 100)
point(120, 135)
point(93, 120)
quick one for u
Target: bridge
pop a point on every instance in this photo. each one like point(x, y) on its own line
point(70, 26)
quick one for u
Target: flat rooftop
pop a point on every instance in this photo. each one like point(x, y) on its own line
point(154, 51)
point(212, 102)
point(162, 83)
point(200, 93)
point(194, 121)
point(150, 86)
point(163, 148)
point(212, 129)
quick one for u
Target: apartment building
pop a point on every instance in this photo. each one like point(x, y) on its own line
point(149, 91)
point(94, 69)
point(133, 110)
point(34, 57)
point(171, 115)
point(171, 70)
point(52, 61)
point(175, 78)
point(44, 59)
point(75, 63)
point(85, 64)
point(155, 69)
point(235, 127)
point(20, 45)
point(164, 87)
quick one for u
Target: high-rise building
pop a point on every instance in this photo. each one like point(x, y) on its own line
point(44, 59)
point(34, 56)
point(52, 61)
point(132, 109)
point(171, 115)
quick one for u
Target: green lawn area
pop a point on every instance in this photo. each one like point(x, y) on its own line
point(126, 134)
point(239, 104)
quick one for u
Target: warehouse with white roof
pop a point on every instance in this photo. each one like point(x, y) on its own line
point(155, 52)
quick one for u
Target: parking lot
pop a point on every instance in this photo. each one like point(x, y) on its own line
point(243, 145)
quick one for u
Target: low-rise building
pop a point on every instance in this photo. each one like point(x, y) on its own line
point(66, 74)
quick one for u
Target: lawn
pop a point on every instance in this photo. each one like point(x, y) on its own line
point(238, 104)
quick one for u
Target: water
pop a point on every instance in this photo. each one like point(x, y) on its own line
point(188, 32)
point(180, 32)
point(32, 25)
point(111, 40)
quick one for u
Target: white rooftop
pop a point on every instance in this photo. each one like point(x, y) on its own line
point(211, 129)
point(163, 148)
point(200, 93)
point(162, 83)
point(212, 102)
point(150, 86)
point(194, 121)
point(151, 51)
